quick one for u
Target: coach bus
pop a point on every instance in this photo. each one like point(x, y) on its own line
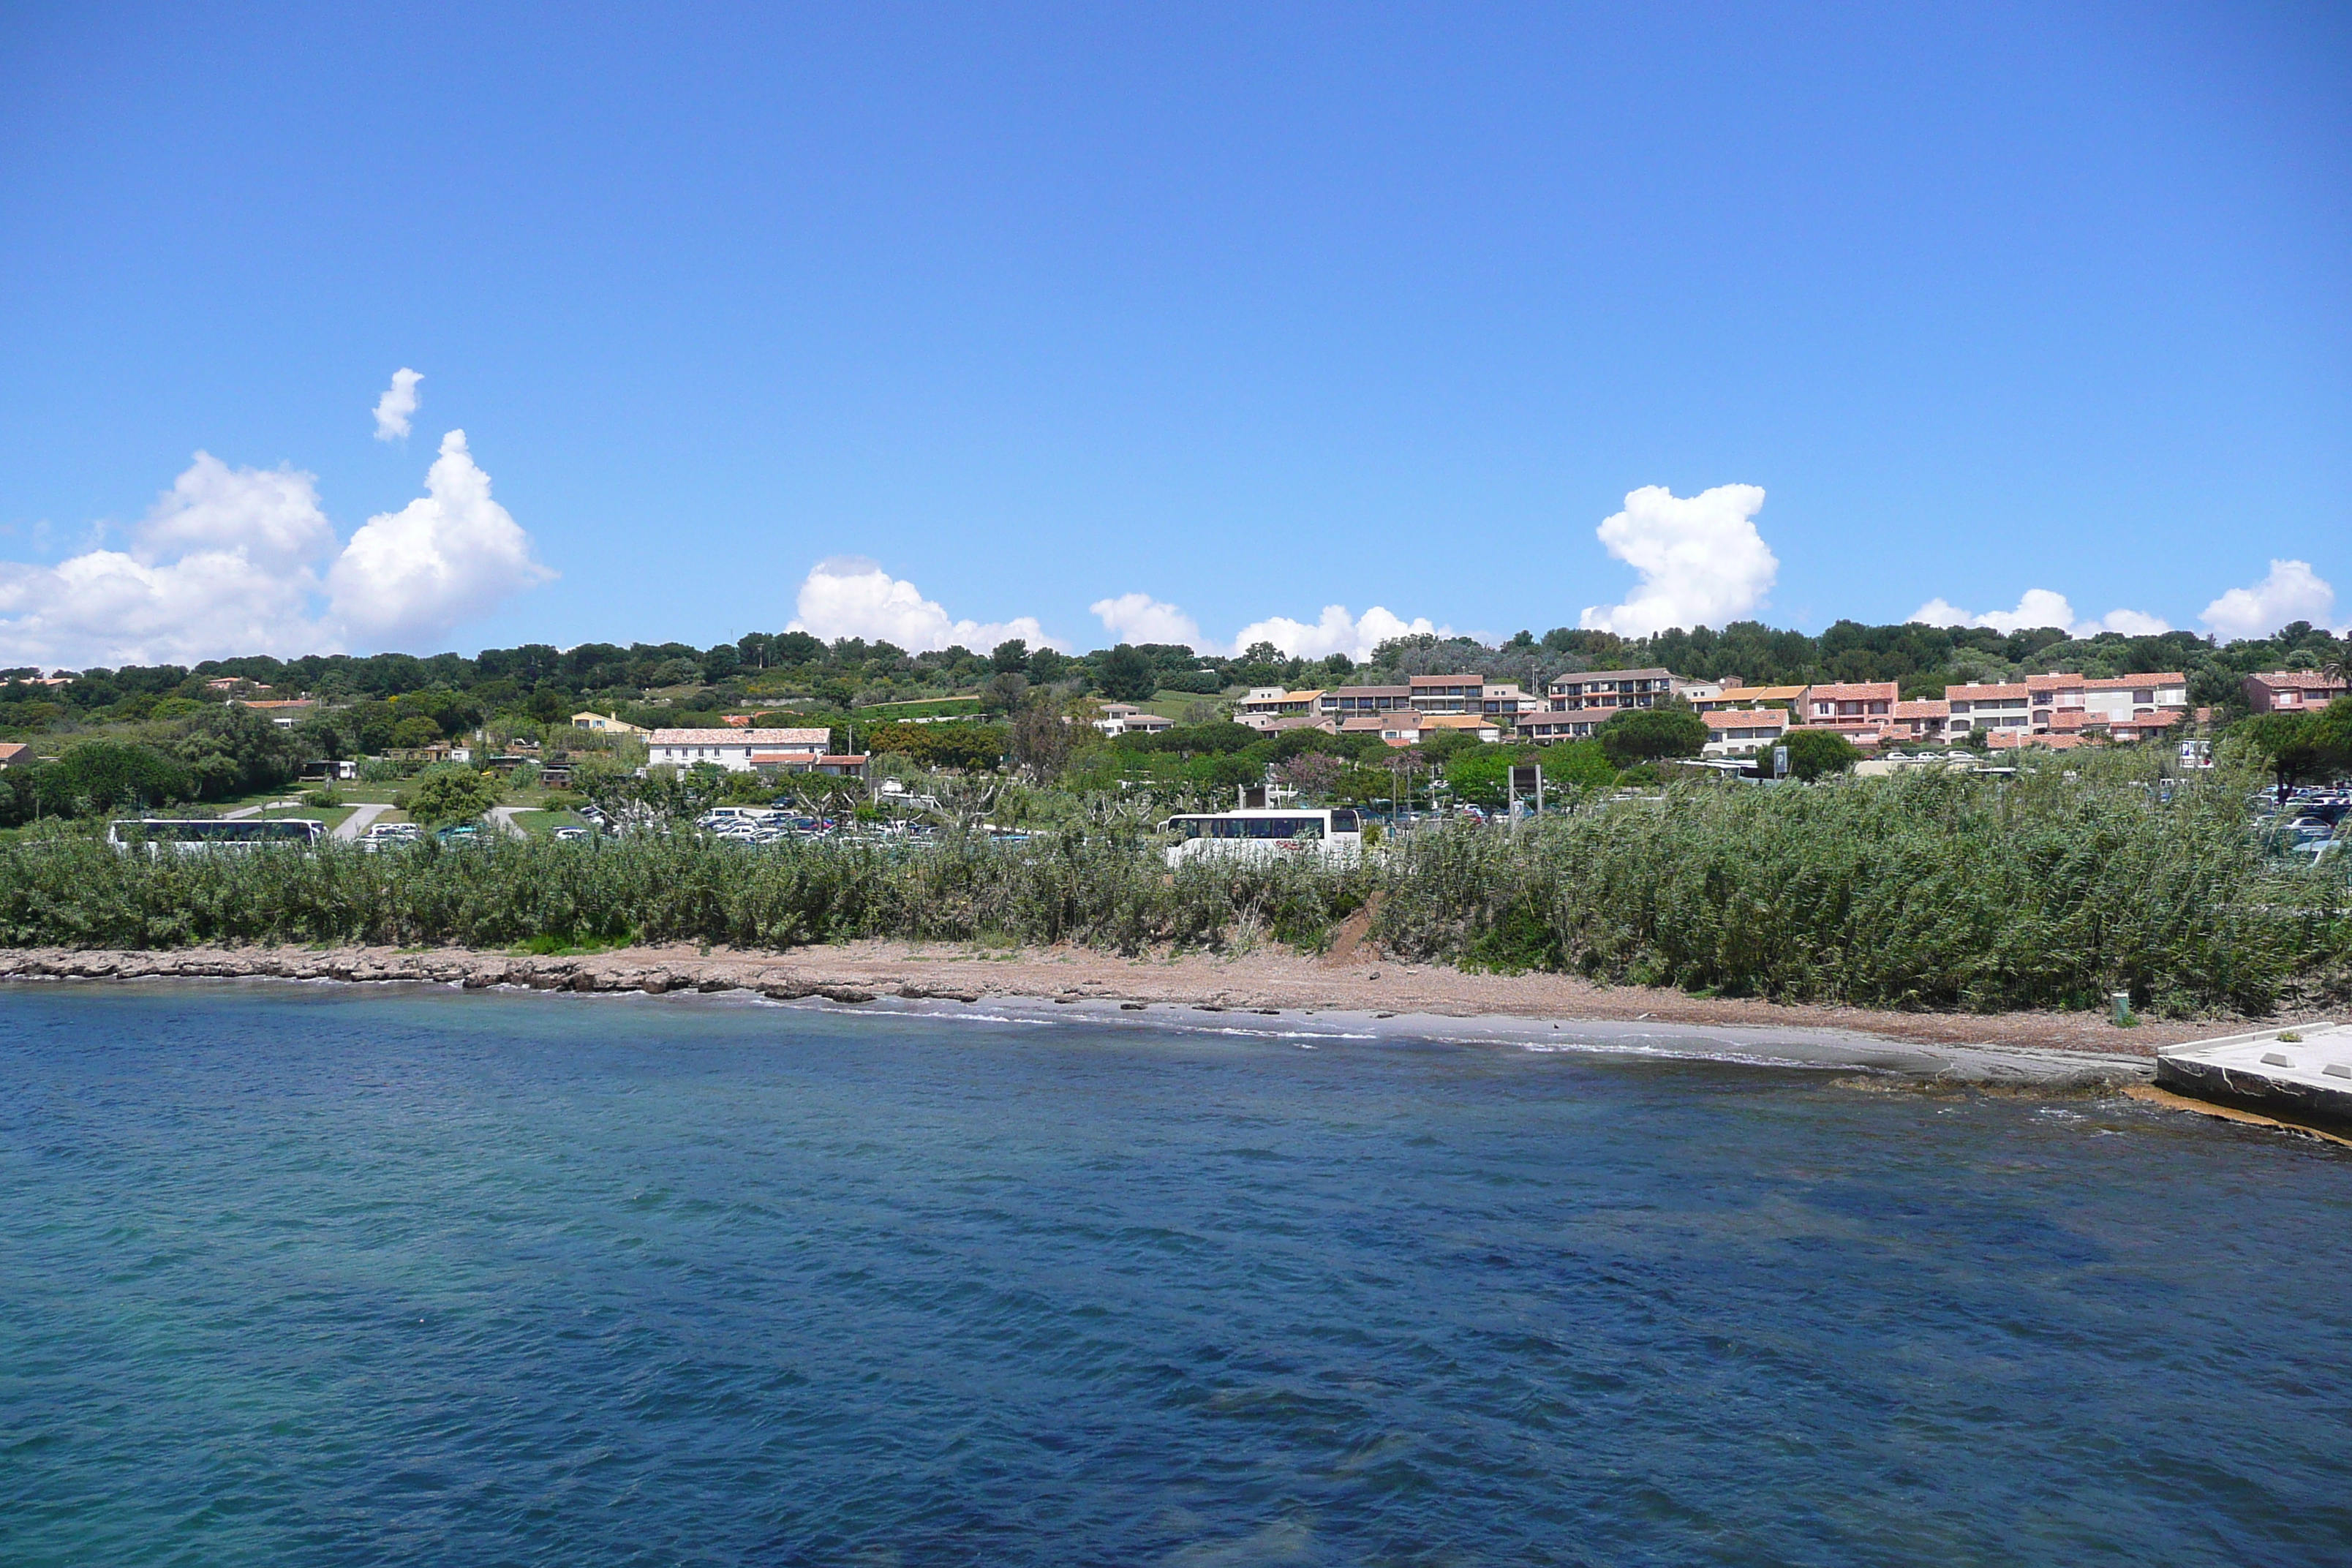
point(211, 835)
point(1265, 832)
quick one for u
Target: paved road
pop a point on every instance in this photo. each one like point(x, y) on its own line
point(357, 822)
point(503, 817)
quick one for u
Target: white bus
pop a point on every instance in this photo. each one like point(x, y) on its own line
point(211, 835)
point(1265, 831)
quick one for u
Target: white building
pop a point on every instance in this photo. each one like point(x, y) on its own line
point(1126, 719)
point(732, 749)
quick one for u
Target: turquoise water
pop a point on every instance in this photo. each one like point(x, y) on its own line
point(342, 1276)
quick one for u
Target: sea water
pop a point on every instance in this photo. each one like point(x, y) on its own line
point(315, 1275)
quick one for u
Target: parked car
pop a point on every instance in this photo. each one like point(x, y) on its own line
point(570, 835)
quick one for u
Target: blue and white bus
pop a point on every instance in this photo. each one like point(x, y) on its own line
point(1265, 832)
point(211, 835)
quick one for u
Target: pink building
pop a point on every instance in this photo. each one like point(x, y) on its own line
point(1858, 710)
point(2292, 690)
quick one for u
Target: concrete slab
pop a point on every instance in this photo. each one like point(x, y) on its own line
point(2299, 1074)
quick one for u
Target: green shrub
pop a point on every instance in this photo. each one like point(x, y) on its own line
point(1924, 891)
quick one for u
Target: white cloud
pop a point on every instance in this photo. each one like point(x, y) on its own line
point(228, 560)
point(398, 402)
point(1140, 618)
point(223, 562)
point(849, 596)
point(2293, 592)
point(1701, 559)
point(2041, 607)
point(1337, 632)
point(448, 556)
point(272, 518)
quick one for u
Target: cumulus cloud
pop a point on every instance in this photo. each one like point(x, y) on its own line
point(2041, 607)
point(232, 560)
point(398, 402)
point(450, 555)
point(1140, 618)
point(849, 596)
point(1337, 632)
point(1701, 559)
point(224, 561)
point(2293, 592)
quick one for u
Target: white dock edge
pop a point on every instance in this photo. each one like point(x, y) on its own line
point(2301, 1073)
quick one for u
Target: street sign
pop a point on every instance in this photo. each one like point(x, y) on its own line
point(1780, 762)
point(1525, 778)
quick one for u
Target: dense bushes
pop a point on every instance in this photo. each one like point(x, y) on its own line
point(1922, 891)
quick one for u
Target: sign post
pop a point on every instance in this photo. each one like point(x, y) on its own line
point(1526, 778)
point(1780, 762)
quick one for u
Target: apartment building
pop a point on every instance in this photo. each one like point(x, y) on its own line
point(1612, 689)
point(1448, 693)
point(2008, 705)
point(1857, 710)
point(1502, 700)
point(2107, 702)
point(2292, 690)
point(1345, 702)
point(1397, 727)
point(1743, 732)
point(1716, 697)
point(1929, 720)
point(1545, 727)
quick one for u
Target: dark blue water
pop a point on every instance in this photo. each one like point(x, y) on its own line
point(340, 1276)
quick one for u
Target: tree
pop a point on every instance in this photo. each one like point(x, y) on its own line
point(1003, 691)
point(1646, 735)
point(1813, 754)
point(1482, 777)
point(1580, 762)
point(233, 750)
point(1042, 737)
point(1312, 774)
point(2299, 747)
point(1126, 675)
point(450, 792)
point(99, 777)
point(1010, 657)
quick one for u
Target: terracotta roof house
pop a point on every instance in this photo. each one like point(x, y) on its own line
point(1743, 732)
point(605, 724)
point(2109, 699)
point(2292, 690)
point(1732, 695)
point(1852, 707)
point(1989, 706)
point(1924, 719)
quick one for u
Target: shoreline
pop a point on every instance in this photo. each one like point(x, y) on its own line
point(1274, 993)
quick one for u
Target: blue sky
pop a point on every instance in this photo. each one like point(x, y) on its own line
point(1248, 311)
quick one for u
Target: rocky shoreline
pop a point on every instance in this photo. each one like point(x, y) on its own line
point(1355, 1001)
point(472, 970)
